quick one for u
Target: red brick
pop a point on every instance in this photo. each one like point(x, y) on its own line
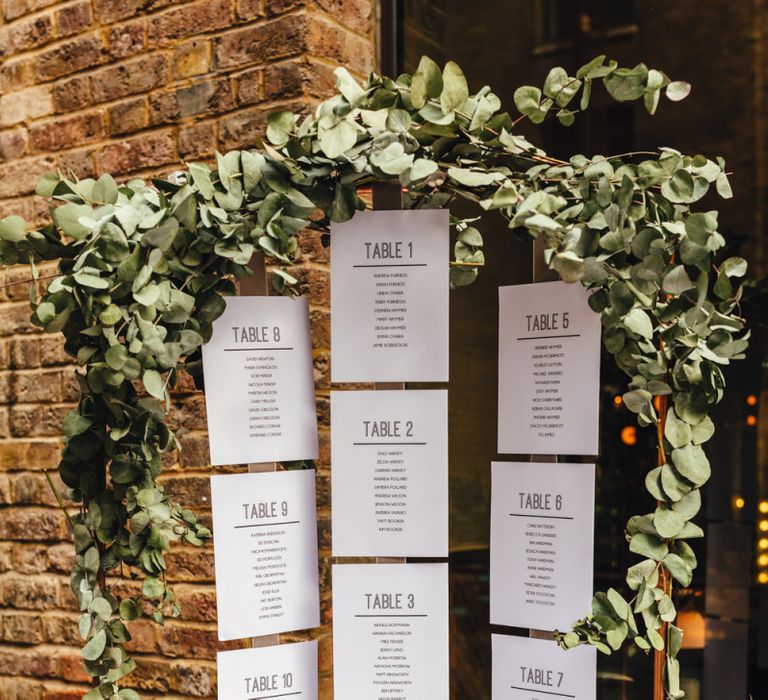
point(31, 524)
point(20, 177)
point(71, 94)
point(192, 58)
point(286, 80)
point(15, 8)
point(108, 11)
point(71, 56)
point(31, 33)
point(80, 162)
point(65, 132)
point(127, 117)
point(13, 143)
point(206, 97)
point(74, 18)
point(355, 14)
point(17, 73)
point(138, 152)
point(249, 9)
point(278, 7)
point(130, 78)
point(249, 88)
point(26, 104)
point(279, 38)
point(128, 39)
point(330, 41)
point(28, 592)
point(242, 128)
point(196, 141)
point(193, 18)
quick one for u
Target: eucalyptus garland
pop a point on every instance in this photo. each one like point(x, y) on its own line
point(143, 269)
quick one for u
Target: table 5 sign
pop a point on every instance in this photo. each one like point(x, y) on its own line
point(542, 513)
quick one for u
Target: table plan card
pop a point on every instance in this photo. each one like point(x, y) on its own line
point(259, 386)
point(389, 297)
point(390, 631)
point(549, 370)
point(288, 670)
point(542, 543)
point(265, 552)
point(538, 669)
point(389, 451)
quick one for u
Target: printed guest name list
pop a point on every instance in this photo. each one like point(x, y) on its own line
point(389, 451)
point(390, 631)
point(389, 297)
point(542, 525)
point(265, 553)
point(549, 370)
point(259, 386)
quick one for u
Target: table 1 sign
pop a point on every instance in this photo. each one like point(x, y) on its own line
point(265, 552)
point(538, 669)
point(390, 631)
point(288, 670)
point(549, 370)
point(259, 385)
point(389, 297)
point(542, 542)
point(389, 451)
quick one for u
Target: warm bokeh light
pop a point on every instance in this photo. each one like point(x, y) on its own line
point(751, 420)
point(617, 401)
point(763, 543)
point(762, 560)
point(657, 402)
point(693, 625)
point(738, 502)
point(629, 435)
point(763, 577)
point(763, 526)
point(763, 506)
point(751, 400)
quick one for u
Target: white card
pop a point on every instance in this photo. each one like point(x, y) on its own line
point(549, 370)
point(259, 386)
point(281, 671)
point(538, 669)
point(389, 297)
point(390, 631)
point(542, 543)
point(389, 451)
point(265, 551)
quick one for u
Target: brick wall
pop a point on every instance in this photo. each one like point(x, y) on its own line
point(136, 87)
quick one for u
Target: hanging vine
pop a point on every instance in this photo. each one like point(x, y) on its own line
point(143, 269)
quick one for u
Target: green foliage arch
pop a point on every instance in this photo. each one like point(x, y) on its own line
point(143, 268)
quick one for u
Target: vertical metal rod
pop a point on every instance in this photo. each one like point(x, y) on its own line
point(541, 273)
point(388, 38)
point(257, 284)
point(388, 195)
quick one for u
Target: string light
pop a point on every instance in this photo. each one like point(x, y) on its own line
point(763, 526)
point(617, 401)
point(763, 577)
point(751, 421)
point(762, 560)
point(763, 507)
point(738, 502)
point(763, 543)
point(751, 400)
